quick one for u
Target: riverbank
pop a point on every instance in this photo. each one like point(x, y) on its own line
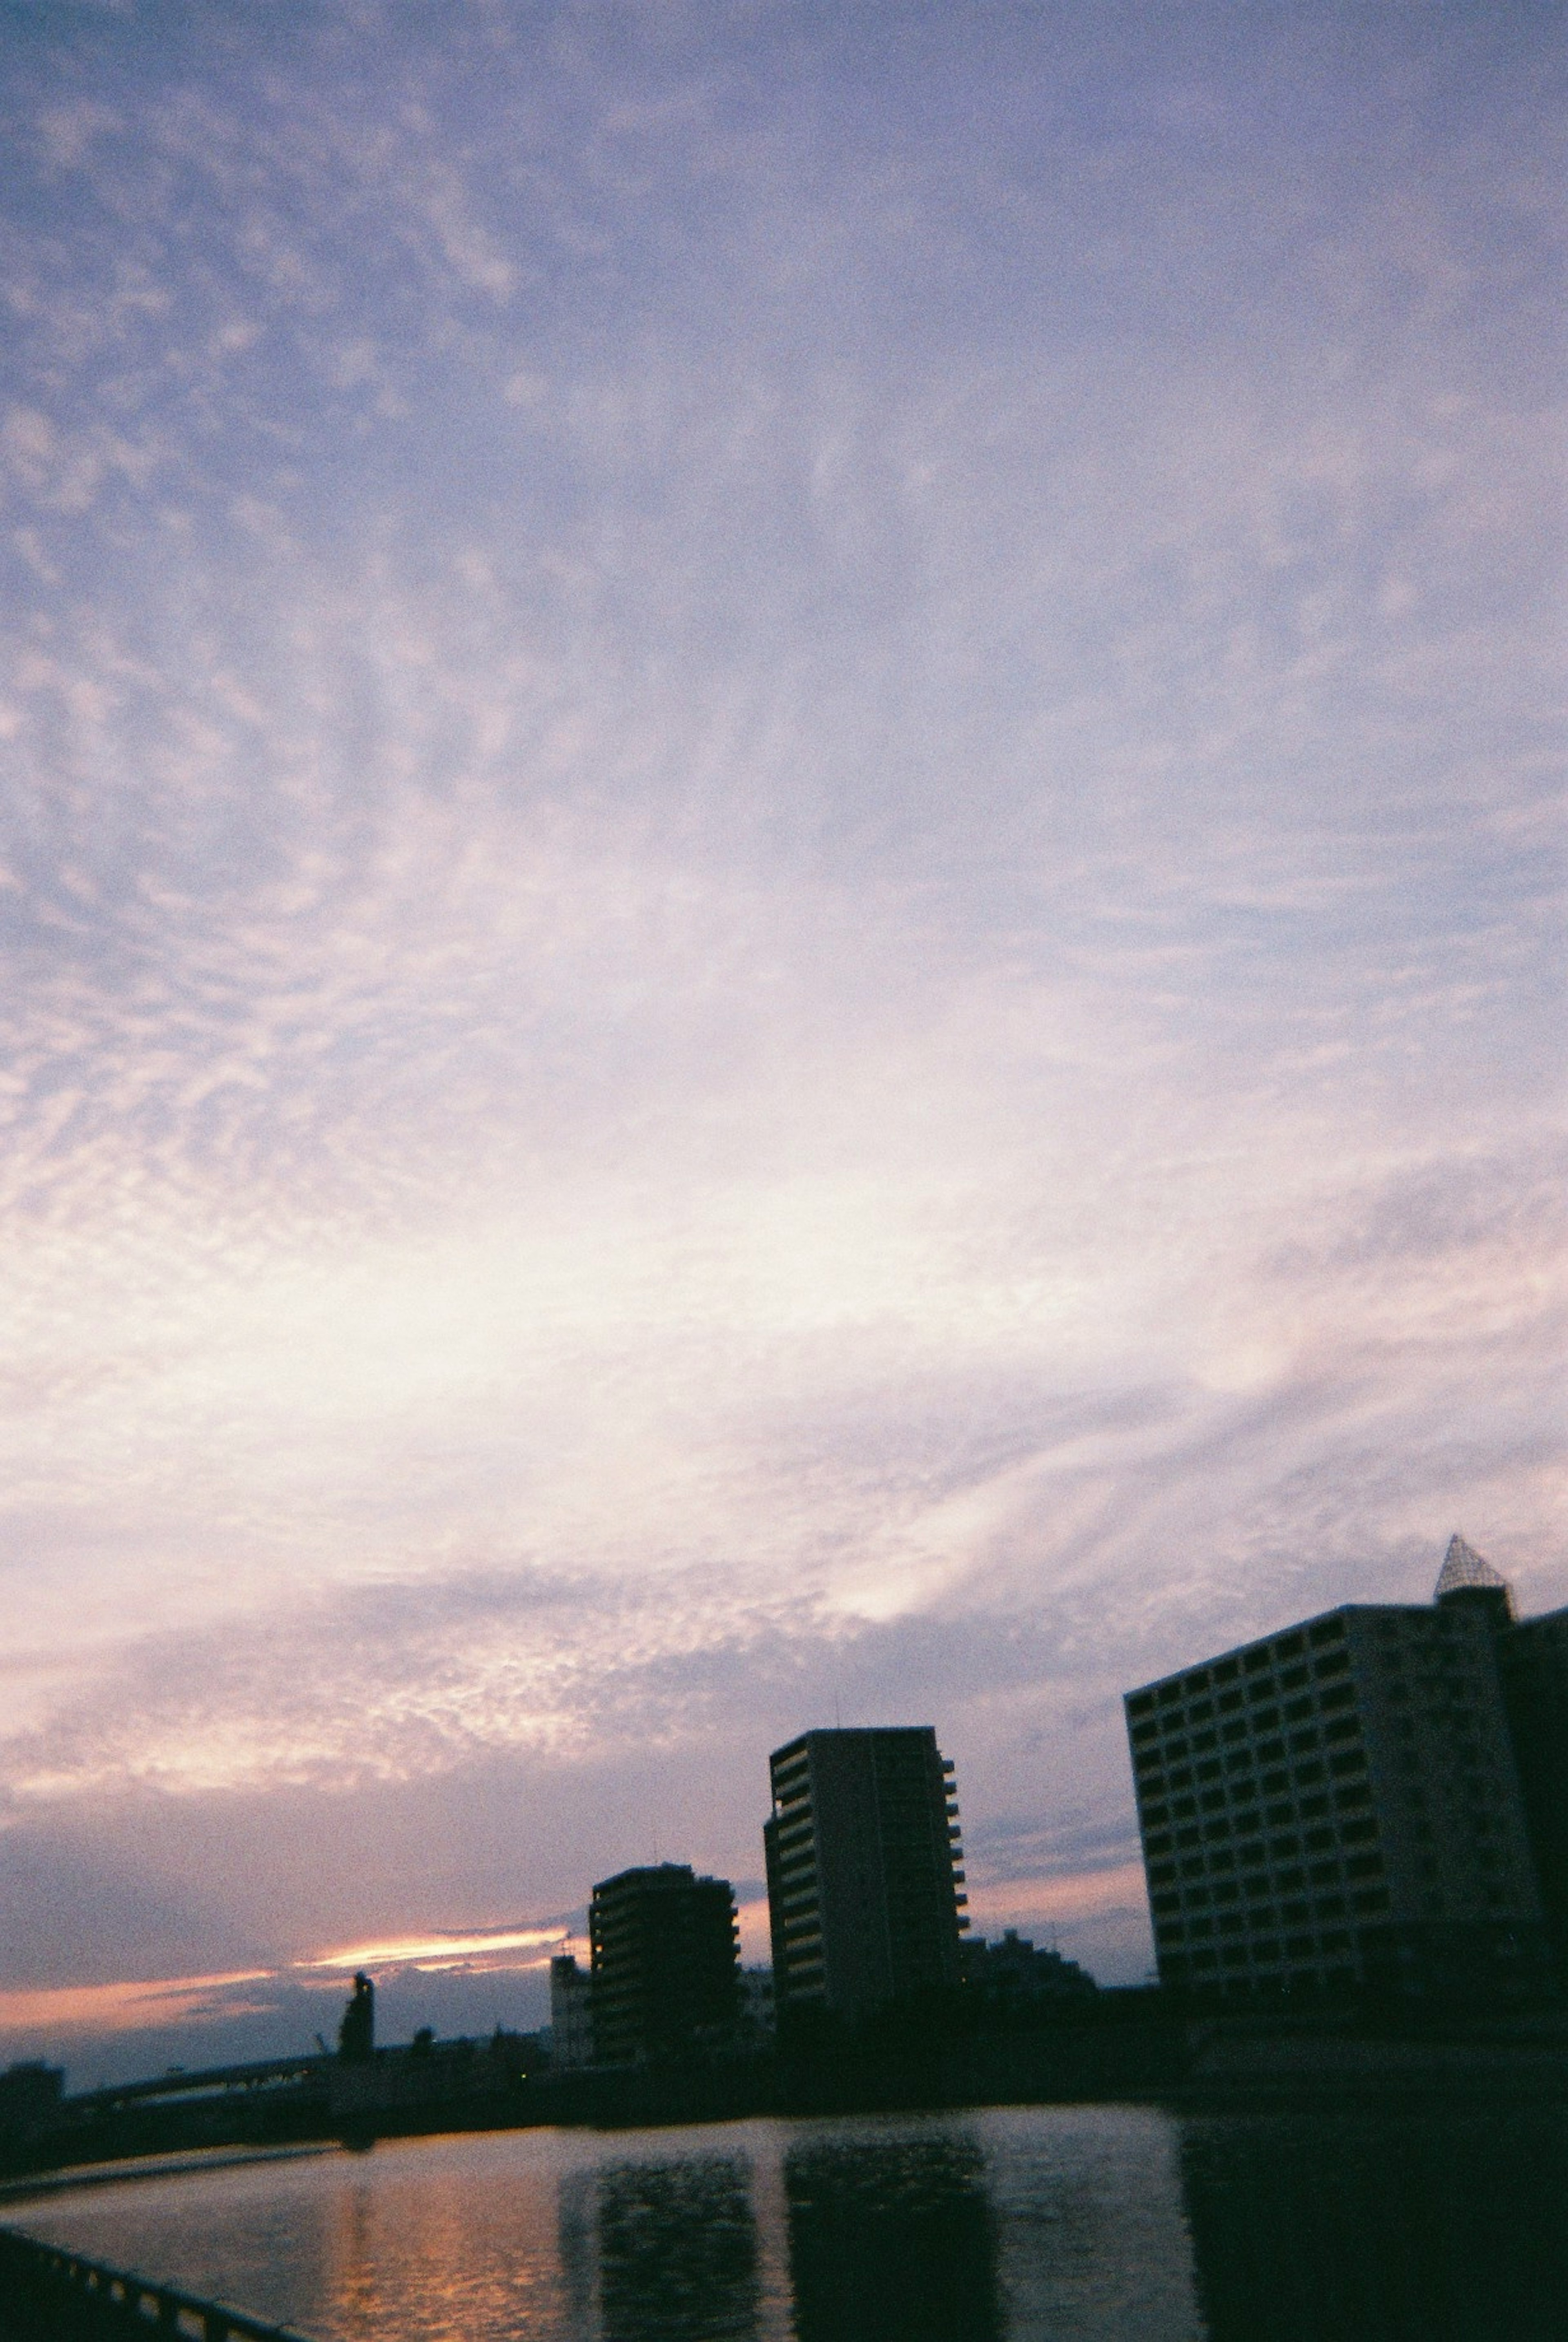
point(1185, 2062)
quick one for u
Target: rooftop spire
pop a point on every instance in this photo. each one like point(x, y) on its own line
point(1462, 1568)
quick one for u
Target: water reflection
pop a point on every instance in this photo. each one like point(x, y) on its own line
point(575, 2222)
point(676, 2252)
point(1032, 2224)
point(1416, 2229)
point(890, 2240)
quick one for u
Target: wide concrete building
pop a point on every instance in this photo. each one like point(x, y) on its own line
point(1347, 1804)
point(865, 1886)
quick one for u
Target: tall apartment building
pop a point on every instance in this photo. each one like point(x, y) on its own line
point(862, 1851)
point(1341, 1805)
point(664, 1959)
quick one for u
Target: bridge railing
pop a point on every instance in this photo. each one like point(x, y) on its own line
point(70, 2295)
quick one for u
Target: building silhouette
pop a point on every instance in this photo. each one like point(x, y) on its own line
point(863, 1884)
point(1014, 1976)
point(1533, 1657)
point(757, 2017)
point(664, 1964)
point(1370, 1800)
point(570, 2012)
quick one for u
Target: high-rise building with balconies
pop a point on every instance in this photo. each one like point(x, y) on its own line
point(864, 1888)
point(1346, 1805)
point(664, 1957)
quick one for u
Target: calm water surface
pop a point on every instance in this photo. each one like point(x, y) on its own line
point(1010, 2225)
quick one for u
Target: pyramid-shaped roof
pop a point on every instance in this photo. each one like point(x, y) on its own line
point(1462, 1565)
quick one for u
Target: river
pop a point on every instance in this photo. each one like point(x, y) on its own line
point(1077, 2224)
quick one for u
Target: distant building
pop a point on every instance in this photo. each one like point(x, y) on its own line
point(664, 1964)
point(1349, 1804)
point(755, 2022)
point(570, 2012)
point(1012, 1975)
point(863, 1884)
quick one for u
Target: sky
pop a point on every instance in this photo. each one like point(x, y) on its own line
point(780, 936)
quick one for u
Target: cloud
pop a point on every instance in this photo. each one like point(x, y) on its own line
point(98, 2009)
point(780, 924)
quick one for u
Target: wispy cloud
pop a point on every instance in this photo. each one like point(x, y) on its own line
point(780, 919)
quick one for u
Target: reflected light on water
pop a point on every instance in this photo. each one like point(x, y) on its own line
point(1047, 2224)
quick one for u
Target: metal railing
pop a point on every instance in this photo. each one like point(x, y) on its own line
point(70, 2295)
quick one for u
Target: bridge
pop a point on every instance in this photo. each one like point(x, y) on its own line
point(178, 2083)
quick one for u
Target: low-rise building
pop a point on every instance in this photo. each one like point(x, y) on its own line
point(1012, 1975)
